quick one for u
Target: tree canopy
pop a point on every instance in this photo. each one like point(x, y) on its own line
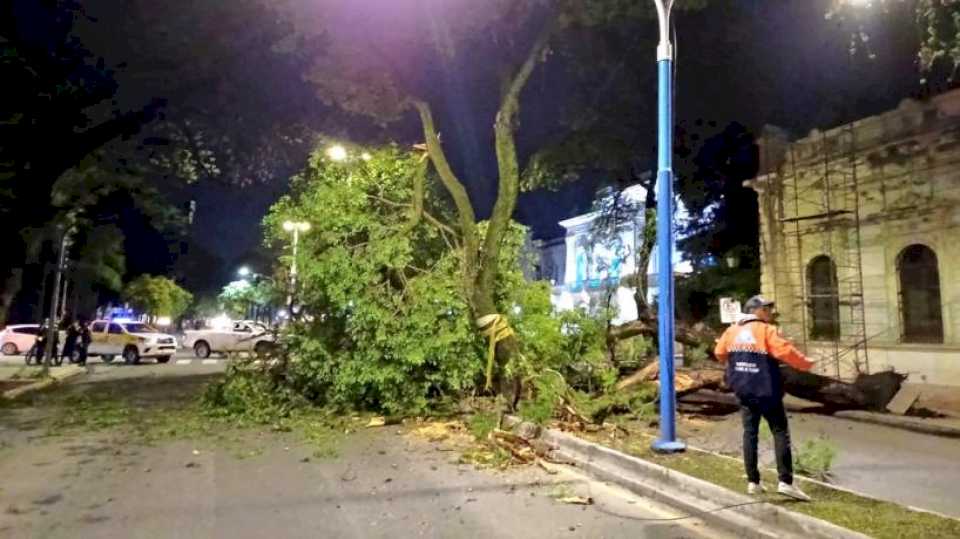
point(157, 296)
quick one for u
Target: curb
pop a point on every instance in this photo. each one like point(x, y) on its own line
point(898, 422)
point(68, 372)
point(732, 511)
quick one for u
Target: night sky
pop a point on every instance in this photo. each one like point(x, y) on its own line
point(769, 62)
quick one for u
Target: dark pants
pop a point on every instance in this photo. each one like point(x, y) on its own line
point(771, 410)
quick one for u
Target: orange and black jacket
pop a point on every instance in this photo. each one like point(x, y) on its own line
point(751, 349)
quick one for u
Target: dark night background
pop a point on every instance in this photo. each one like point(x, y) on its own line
point(739, 67)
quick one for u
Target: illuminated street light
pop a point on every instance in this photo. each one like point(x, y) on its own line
point(244, 271)
point(337, 153)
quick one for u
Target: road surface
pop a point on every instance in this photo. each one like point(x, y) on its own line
point(870, 458)
point(384, 482)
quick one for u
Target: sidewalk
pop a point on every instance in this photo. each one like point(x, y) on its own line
point(909, 468)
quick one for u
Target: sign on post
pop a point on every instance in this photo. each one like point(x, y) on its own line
point(729, 311)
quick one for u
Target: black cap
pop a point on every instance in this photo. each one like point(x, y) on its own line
point(755, 303)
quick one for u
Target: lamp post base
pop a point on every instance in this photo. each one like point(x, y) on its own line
point(667, 447)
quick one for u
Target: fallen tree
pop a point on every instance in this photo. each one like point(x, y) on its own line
point(866, 392)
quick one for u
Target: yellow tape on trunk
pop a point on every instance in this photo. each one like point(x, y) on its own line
point(495, 328)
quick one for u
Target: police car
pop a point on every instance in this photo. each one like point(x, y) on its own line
point(130, 340)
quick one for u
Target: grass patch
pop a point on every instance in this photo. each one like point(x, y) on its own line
point(814, 458)
point(482, 424)
point(872, 517)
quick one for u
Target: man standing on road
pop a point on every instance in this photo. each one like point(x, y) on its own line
point(751, 349)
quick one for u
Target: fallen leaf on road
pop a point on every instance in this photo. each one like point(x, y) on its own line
point(439, 431)
point(377, 421)
point(576, 500)
point(191, 465)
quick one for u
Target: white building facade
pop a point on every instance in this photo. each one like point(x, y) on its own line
point(588, 268)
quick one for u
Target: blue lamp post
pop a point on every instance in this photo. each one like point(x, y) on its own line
point(667, 443)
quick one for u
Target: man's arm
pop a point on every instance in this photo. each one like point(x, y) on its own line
point(785, 352)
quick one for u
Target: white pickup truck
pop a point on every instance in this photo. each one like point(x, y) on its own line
point(244, 336)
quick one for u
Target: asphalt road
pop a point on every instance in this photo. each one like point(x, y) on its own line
point(385, 482)
point(183, 357)
point(870, 458)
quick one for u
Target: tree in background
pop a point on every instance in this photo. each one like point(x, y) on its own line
point(242, 299)
point(97, 263)
point(157, 296)
point(937, 22)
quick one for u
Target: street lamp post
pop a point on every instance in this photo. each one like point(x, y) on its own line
point(50, 350)
point(294, 227)
point(667, 443)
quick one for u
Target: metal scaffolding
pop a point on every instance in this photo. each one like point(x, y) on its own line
point(821, 272)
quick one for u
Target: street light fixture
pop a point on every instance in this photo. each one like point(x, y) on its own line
point(295, 227)
point(244, 271)
point(733, 260)
point(337, 153)
point(667, 443)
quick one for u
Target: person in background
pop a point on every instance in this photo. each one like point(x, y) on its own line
point(752, 349)
point(39, 345)
point(70, 341)
point(84, 339)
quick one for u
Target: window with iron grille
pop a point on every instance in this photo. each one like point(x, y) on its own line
point(920, 306)
point(823, 302)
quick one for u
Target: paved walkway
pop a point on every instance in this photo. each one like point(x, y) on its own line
point(913, 469)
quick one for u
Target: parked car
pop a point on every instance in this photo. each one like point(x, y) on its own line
point(132, 341)
point(243, 336)
point(18, 339)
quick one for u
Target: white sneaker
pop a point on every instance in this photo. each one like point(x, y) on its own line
point(792, 492)
point(755, 488)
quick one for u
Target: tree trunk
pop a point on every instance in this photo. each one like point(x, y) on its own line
point(867, 392)
point(480, 263)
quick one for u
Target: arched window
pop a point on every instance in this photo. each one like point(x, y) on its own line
point(824, 300)
point(920, 307)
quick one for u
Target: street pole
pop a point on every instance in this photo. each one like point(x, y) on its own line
point(667, 443)
point(64, 293)
point(50, 349)
point(293, 269)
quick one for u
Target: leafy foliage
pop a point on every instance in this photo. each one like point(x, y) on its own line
point(814, 458)
point(938, 22)
point(99, 258)
point(386, 323)
point(157, 296)
point(238, 296)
